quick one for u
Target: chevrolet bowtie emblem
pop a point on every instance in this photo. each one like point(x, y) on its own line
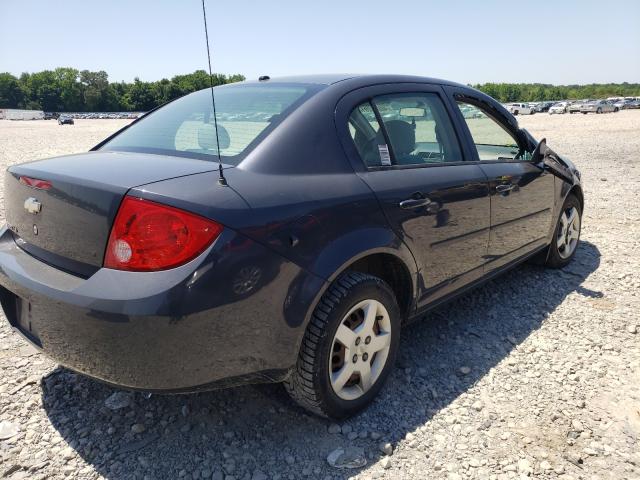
point(32, 205)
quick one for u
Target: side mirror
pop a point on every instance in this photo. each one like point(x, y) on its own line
point(540, 151)
point(547, 159)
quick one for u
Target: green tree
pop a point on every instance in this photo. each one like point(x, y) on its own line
point(141, 96)
point(11, 93)
point(96, 90)
point(70, 89)
point(531, 92)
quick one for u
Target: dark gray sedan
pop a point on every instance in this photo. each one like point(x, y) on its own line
point(288, 239)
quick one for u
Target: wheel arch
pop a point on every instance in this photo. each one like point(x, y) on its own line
point(377, 251)
point(390, 252)
point(393, 271)
point(577, 191)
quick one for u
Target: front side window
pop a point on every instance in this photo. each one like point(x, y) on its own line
point(416, 131)
point(492, 141)
point(185, 127)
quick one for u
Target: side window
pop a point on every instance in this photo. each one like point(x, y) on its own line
point(416, 125)
point(365, 132)
point(418, 128)
point(492, 141)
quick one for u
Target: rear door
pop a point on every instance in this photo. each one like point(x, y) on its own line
point(522, 193)
point(403, 145)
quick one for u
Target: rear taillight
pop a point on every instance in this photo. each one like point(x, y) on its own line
point(149, 236)
point(36, 183)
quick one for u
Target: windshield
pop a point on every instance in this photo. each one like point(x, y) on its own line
point(185, 127)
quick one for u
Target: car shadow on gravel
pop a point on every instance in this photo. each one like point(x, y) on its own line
point(248, 431)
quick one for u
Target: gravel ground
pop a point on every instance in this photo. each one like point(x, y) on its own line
point(535, 374)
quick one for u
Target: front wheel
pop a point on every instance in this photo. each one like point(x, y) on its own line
point(349, 347)
point(567, 234)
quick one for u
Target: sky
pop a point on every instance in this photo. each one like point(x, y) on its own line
point(559, 42)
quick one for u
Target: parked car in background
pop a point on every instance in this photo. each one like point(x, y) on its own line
point(576, 105)
point(147, 264)
point(520, 109)
point(624, 104)
point(634, 104)
point(469, 112)
point(598, 106)
point(544, 106)
point(65, 120)
point(559, 108)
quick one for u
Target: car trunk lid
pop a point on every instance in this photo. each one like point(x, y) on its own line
point(61, 209)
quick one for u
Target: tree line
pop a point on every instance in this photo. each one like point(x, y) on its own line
point(71, 90)
point(535, 92)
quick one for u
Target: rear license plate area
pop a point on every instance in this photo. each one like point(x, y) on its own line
point(25, 321)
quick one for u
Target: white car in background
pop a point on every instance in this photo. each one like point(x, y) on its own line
point(625, 103)
point(520, 109)
point(598, 106)
point(560, 107)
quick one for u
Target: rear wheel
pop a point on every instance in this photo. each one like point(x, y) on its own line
point(567, 234)
point(598, 111)
point(515, 112)
point(349, 347)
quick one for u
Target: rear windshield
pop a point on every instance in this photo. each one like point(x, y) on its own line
point(245, 115)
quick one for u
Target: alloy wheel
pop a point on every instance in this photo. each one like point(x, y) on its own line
point(568, 232)
point(360, 349)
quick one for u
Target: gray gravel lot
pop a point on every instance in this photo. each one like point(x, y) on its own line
point(534, 375)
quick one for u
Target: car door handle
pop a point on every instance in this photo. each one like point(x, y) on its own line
point(505, 187)
point(414, 203)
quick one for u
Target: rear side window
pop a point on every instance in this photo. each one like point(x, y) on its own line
point(416, 131)
point(365, 131)
point(185, 127)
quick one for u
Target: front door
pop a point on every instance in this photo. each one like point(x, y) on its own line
point(522, 194)
point(437, 203)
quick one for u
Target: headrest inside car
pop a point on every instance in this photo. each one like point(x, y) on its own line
point(207, 137)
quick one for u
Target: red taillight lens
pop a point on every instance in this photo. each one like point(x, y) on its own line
point(150, 236)
point(36, 183)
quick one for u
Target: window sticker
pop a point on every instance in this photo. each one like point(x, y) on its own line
point(385, 158)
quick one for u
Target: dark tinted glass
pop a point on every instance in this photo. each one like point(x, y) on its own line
point(364, 129)
point(185, 127)
point(418, 128)
point(491, 139)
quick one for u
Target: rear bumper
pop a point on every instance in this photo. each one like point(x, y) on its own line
point(183, 329)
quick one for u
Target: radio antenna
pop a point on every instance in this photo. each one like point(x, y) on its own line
point(221, 180)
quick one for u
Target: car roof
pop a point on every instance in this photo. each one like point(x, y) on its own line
point(357, 79)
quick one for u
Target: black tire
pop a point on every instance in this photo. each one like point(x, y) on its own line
point(515, 112)
point(616, 110)
point(598, 111)
point(309, 383)
point(554, 259)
